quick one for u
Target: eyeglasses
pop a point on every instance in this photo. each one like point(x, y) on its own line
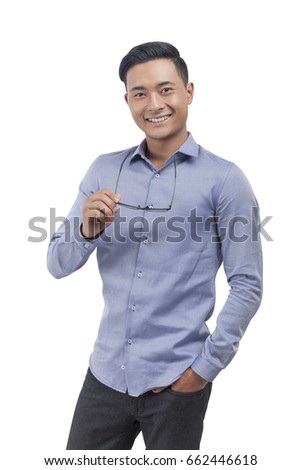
point(148, 207)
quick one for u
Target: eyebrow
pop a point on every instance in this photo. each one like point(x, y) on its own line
point(140, 87)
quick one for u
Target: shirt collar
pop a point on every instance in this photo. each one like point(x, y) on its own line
point(189, 148)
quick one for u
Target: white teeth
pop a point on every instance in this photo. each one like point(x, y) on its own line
point(162, 119)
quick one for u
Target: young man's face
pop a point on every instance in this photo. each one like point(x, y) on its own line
point(158, 99)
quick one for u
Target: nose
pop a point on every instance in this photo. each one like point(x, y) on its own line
point(155, 102)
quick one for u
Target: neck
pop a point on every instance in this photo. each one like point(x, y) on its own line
point(158, 151)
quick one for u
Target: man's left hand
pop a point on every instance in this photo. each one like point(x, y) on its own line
point(189, 382)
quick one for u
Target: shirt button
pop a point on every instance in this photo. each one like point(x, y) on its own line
point(140, 274)
point(150, 206)
point(123, 367)
point(130, 341)
point(145, 241)
point(157, 175)
point(86, 245)
point(133, 308)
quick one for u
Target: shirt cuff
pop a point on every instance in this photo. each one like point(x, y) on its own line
point(204, 369)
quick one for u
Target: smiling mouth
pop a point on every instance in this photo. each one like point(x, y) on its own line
point(159, 120)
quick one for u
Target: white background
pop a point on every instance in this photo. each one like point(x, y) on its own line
point(61, 106)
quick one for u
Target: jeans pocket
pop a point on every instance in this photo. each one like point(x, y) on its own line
point(187, 394)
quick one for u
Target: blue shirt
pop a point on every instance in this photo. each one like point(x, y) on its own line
point(158, 269)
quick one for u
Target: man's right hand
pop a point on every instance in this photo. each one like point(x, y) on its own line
point(99, 212)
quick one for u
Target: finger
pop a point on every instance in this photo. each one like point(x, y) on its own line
point(158, 389)
point(107, 201)
point(98, 217)
point(95, 214)
point(103, 207)
point(99, 195)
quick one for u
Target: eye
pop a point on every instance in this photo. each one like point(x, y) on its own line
point(139, 95)
point(166, 90)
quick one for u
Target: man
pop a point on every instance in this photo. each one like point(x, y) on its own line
point(163, 216)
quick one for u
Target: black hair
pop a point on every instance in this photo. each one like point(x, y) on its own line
point(152, 51)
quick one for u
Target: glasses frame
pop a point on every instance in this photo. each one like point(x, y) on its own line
point(148, 207)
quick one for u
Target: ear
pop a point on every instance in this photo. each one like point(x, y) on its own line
point(190, 92)
point(126, 98)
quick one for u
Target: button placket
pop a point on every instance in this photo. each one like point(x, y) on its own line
point(135, 305)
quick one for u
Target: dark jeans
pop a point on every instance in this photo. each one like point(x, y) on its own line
point(107, 419)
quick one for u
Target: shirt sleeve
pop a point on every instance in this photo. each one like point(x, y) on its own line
point(68, 249)
point(237, 218)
